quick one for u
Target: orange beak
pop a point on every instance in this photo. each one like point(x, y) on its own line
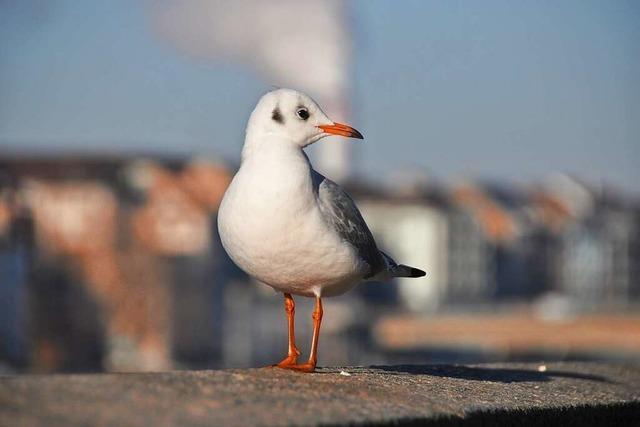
point(342, 130)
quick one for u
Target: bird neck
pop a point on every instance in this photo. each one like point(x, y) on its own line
point(271, 148)
point(272, 159)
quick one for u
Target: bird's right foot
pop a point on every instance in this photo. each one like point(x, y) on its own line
point(290, 360)
point(303, 367)
point(287, 361)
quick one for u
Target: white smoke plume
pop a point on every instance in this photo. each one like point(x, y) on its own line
point(299, 44)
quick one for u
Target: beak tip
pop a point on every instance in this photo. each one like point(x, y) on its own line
point(342, 130)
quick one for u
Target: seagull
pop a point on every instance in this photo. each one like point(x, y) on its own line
point(290, 227)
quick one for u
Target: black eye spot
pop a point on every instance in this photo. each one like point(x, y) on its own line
point(276, 115)
point(302, 113)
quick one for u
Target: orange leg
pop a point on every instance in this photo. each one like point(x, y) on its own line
point(310, 366)
point(290, 309)
point(317, 320)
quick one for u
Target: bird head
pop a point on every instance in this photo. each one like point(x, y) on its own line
point(293, 117)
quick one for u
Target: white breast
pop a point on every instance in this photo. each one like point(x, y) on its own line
point(271, 226)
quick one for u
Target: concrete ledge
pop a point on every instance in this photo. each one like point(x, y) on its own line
point(568, 394)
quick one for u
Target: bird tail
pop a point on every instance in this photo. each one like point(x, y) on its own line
point(401, 270)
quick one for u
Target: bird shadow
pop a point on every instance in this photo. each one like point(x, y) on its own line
point(476, 373)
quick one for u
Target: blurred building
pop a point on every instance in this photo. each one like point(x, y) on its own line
point(482, 243)
point(120, 259)
point(115, 263)
point(599, 260)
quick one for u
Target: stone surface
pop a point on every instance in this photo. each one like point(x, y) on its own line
point(501, 394)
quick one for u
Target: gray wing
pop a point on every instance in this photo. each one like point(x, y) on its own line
point(339, 210)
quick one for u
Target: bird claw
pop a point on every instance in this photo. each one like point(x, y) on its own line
point(288, 361)
point(302, 367)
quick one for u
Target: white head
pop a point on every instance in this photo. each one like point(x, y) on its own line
point(287, 116)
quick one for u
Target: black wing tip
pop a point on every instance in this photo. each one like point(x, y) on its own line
point(416, 272)
point(411, 272)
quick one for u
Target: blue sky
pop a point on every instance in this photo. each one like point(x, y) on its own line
point(492, 89)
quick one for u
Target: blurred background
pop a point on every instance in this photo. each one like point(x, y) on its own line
point(502, 155)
